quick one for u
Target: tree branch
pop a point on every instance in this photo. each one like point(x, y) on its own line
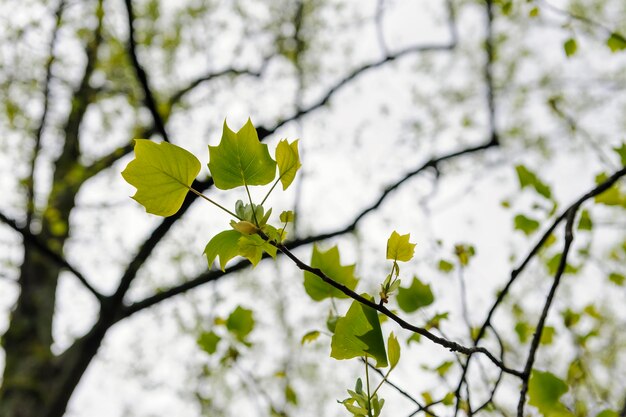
point(142, 77)
point(52, 255)
point(448, 344)
point(569, 237)
point(209, 276)
point(30, 188)
point(599, 189)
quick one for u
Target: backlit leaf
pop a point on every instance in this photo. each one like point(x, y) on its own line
point(208, 342)
point(162, 174)
point(241, 159)
point(329, 263)
point(310, 337)
point(526, 224)
point(240, 322)
point(545, 391)
point(616, 42)
point(527, 178)
point(416, 296)
point(225, 245)
point(357, 334)
point(394, 350)
point(570, 46)
point(252, 247)
point(288, 160)
point(399, 248)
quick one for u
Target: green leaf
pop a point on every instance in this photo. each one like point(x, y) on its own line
point(252, 248)
point(616, 42)
point(607, 413)
point(526, 224)
point(240, 322)
point(162, 174)
point(547, 336)
point(570, 46)
point(523, 331)
point(585, 222)
point(553, 265)
point(288, 160)
point(415, 337)
point(399, 248)
point(310, 337)
point(290, 395)
point(358, 334)
point(621, 151)
point(394, 350)
point(545, 391)
point(330, 264)
point(617, 279)
point(287, 216)
point(445, 266)
point(443, 369)
point(241, 159)
point(416, 296)
point(528, 178)
point(208, 342)
point(225, 245)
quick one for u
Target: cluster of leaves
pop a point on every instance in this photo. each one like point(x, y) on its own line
point(238, 325)
point(164, 173)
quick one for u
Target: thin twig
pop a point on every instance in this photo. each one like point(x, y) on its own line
point(569, 237)
point(142, 77)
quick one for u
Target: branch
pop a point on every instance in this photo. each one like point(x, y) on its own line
point(448, 344)
point(142, 77)
point(569, 237)
point(392, 385)
point(599, 189)
point(180, 94)
point(52, 255)
point(210, 276)
point(30, 189)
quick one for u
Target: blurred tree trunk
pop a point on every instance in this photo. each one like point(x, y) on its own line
point(35, 382)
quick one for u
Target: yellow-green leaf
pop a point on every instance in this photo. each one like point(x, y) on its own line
point(252, 248)
point(162, 174)
point(225, 245)
point(288, 160)
point(570, 46)
point(394, 350)
point(310, 337)
point(240, 159)
point(328, 262)
point(616, 42)
point(399, 248)
point(240, 322)
point(287, 216)
point(416, 296)
point(545, 391)
point(208, 342)
point(357, 334)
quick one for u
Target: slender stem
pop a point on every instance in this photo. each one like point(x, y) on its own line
point(271, 189)
point(256, 221)
point(367, 383)
point(381, 382)
point(199, 194)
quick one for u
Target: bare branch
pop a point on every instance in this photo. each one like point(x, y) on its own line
point(569, 237)
point(142, 77)
point(52, 255)
point(30, 189)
